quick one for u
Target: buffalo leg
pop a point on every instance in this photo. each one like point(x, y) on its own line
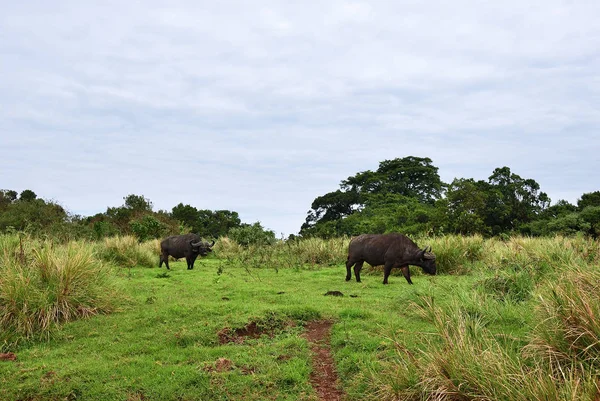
point(348, 269)
point(387, 269)
point(406, 273)
point(164, 258)
point(357, 267)
point(191, 262)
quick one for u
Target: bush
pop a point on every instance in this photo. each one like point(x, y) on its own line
point(253, 234)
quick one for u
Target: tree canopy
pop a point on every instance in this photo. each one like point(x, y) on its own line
point(407, 195)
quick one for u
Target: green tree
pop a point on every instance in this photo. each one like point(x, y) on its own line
point(252, 234)
point(520, 200)
point(27, 195)
point(413, 177)
point(217, 223)
point(332, 206)
point(390, 213)
point(35, 216)
point(137, 203)
point(147, 227)
point(6, 198)
point(591, 216)
point(186, 214)
point(560, 208)
point(589, 199)
point(466, 205)
point(338, 213)
point(206, 223)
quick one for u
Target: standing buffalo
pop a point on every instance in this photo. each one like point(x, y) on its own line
point(390, 250)
point(178, 246)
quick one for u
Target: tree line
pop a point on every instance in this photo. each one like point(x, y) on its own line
point(26, 212)
point(407, 195)
point(403, 195)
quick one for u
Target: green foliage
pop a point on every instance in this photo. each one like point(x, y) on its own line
point(589, 199)
point(137, 203)
point(35, 216)
point(367, 199)
point(466, 203)
point(413, 177)
point(206, 223)
point(591, 216)
point(148, 227)
point(252, 234)
point(406, 195)
point(27, 196)
point(332, 206)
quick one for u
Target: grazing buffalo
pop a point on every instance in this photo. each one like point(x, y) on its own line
point(389, 250)
point(179, 246)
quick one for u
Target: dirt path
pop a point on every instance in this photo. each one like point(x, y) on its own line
point(324, 376)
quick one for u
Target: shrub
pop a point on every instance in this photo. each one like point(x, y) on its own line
point(253, 234)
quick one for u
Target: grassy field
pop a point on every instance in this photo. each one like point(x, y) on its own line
point(497, 324)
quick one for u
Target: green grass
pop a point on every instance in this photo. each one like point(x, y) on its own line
point(165, 343)
point(515, 320)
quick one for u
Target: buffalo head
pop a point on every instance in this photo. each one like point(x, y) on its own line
point(202, 248)
point(427, 261)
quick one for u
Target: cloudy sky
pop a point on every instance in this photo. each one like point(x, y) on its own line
point(261, 106)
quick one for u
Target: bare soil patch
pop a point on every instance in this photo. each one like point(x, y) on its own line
point(237, 336)
point(324, 377)
point(253, 329)
point(9, 356)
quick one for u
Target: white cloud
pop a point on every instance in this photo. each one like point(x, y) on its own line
point(261, 107)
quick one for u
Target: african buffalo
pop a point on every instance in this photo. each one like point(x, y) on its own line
point(178, 246)
point(390, 250)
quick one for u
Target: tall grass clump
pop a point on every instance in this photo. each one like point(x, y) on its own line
point(465, 361)
point(569, 315)
point(317, 251)
point(128, 252)
point(301, 253)
point(52, 285)
point(541, 255)
point(509, 286)
point(456, 254)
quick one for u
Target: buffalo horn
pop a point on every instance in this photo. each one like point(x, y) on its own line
point(195, 244)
